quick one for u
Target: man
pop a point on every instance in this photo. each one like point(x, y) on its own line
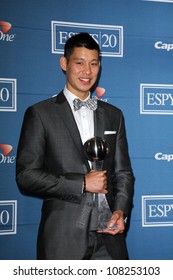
point(51, 164)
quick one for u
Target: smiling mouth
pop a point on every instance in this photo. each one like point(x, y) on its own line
point(85, 81)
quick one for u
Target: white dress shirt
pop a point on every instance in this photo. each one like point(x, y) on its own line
point(83, 117)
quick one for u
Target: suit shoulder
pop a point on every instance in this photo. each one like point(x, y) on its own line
point(44, 105)
point(109, 107)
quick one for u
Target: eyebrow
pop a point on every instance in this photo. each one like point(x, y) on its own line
point(80, 58)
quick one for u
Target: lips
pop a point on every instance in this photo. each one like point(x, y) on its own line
point(85, 81)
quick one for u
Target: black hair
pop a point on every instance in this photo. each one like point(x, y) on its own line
point(80, 40)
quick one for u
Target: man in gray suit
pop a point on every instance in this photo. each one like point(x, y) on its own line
point(51, 164)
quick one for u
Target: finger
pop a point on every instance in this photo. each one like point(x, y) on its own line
point(107, 231)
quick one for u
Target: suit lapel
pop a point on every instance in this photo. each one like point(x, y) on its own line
point(65, 113)
point(99, 122)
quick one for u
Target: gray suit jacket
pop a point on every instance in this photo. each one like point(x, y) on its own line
point(51, 165)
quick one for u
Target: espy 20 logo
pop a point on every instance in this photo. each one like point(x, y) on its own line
point(5, 28)
point(4, 155)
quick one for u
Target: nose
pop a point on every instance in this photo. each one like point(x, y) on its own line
point(87, 69)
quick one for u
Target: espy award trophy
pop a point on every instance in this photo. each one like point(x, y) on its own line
point(96, 150)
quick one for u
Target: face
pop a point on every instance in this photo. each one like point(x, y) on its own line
point(81, 71)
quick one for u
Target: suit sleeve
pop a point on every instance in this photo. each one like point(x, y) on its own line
point(31, 175)
point(123, 178)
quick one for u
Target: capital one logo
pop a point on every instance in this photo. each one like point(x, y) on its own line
point(8, 217)
point(8, 95)
point(5, 154)
point(156, 99)
point(157, 210)
point(163, 46)
point(5, 27)
point(163, 157)
point(109, 37)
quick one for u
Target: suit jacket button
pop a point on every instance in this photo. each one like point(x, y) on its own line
point(90, 204)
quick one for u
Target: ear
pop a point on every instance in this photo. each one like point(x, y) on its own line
point(63, 63)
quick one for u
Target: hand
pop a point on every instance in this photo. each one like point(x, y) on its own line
point(96, 181)
point(117, 219)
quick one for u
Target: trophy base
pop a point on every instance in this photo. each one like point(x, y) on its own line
point(107, 228)
point(104, 216)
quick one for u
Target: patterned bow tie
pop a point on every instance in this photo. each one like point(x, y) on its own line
point(90, 103)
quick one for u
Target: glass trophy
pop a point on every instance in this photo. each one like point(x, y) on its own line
point(96, 150)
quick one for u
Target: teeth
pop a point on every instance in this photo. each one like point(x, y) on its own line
point(85, 80)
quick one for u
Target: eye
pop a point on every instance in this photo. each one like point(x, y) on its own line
point(94, 64)
point(79, 62)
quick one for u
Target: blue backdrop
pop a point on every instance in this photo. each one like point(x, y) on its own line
point(136, 39)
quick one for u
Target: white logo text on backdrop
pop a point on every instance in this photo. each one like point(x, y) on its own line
point(109, 37)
